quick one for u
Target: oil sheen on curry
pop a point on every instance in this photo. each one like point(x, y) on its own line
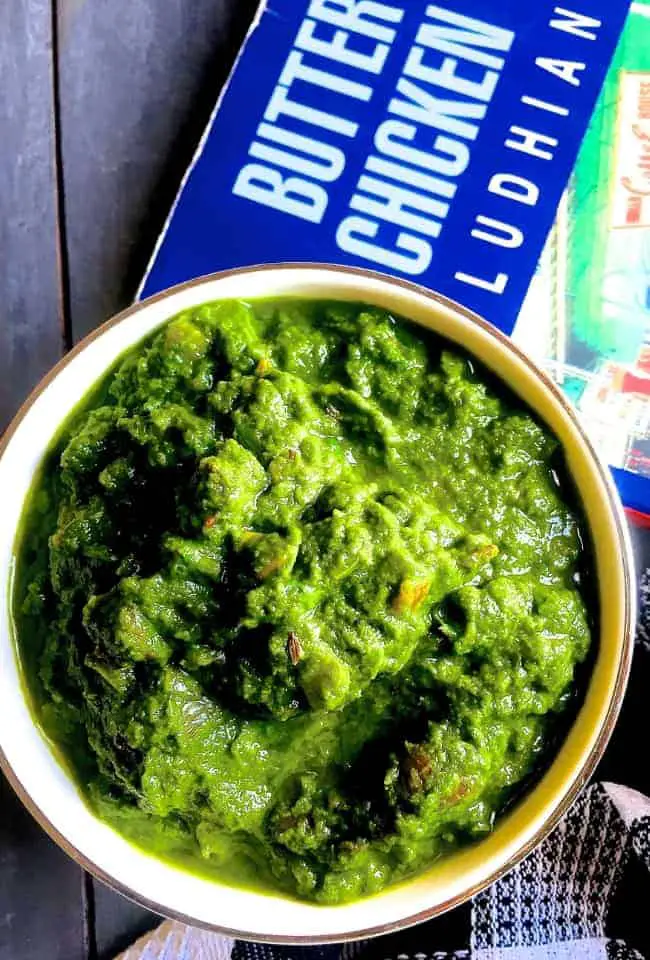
point(299, 596)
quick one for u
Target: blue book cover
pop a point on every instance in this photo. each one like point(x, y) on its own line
point(431, 141)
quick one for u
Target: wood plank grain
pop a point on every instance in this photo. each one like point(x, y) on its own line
point(137, 83)
point(118, 922)
point(40, 888)
point(30, 332)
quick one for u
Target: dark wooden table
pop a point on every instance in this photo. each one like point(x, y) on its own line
point(102, 103)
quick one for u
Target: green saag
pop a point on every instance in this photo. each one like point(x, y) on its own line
point(298, 595)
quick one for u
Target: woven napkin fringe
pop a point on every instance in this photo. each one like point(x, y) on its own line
point(176, 941)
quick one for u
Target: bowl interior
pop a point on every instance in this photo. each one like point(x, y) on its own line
point(53, 797)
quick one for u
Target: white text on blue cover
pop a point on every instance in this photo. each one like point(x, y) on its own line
point(423, 146)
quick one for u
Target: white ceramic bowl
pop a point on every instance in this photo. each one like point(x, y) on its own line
point(53, 798)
